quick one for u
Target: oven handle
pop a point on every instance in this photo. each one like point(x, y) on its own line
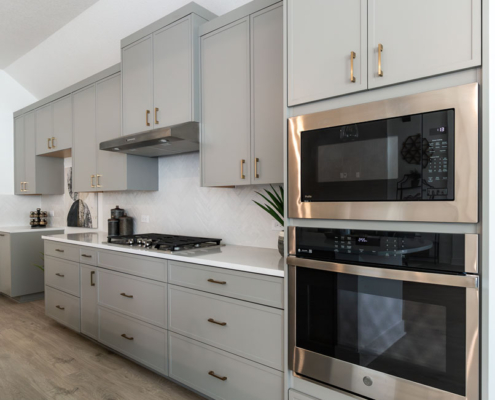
point(466, 281)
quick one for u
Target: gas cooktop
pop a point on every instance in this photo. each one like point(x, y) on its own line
point(165, 243)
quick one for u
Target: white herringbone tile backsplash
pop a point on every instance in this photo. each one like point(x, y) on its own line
point(14, 210)
point(182, 207)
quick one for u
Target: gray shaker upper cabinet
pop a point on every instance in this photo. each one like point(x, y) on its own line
point(34, 174)
point(327, 49)
point(415, 39)
point(54, 127)
point(242, 96)
point(160, 72)
point(225, 78)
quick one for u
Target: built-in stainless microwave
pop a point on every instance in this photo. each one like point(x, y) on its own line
point(412, 158)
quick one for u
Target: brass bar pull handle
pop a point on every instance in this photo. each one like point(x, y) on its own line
point(222, 378)
point(127, 337)
point(53, 142)
point(98, 185)
point(61, 275)
point(91, 278)
point(242, 169)
point(2, 235)
point(380, 50)
point(86, 255)
point(353, 56)
point(92, 181)
point(60, 308)
point(147, 115)
point(49, 144)
point(256, 161)
point(216, 322)
point(156, 117)
point(127, 295)
point(219, 282)
point(60, 251)
point(22, 187)
point(25, 186)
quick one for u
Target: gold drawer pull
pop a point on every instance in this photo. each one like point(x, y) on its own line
point(61, 275)
point(147, 115)
point(127, 295)
point(53, 142)
point(219, 282)
point(156, 116)
point(60, 251)
point(60, 308)
point(98, 185)
point(127, 337)
point(49, 145)
point(222, 378)
point(380, 50)
point(256, 161)
point(92, 181)
point(353, 56)
point(91, 278)
point(86, 255)
point(216, 322)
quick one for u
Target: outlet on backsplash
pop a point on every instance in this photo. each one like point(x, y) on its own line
point(145, 218)
point(276, 226)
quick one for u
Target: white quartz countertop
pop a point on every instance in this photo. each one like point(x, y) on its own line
point(241, 258)
point(27, 228)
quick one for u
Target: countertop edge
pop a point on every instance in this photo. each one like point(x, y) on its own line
point(175, 257)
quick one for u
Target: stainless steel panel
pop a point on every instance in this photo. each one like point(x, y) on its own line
point(469, 281)
point(471, 253)
point(307, 364)
point(291, 233)
point(464, 99)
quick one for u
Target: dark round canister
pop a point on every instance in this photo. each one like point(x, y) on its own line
point(126, 225)
point(113, 227)
point(117, 212)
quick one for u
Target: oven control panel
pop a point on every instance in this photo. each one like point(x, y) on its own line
point(423, 250)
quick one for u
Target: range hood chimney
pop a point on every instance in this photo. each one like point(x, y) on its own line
point(176, 139)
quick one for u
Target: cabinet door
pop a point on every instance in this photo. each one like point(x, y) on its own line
point(321, 36)
point(62, 123)
point(111, 167)
point(172, 69)
point(19, 156)
point(422, 38)
point(89, 301)
point(267, 108)
point(137, 86)
point(5, 264)
point(30, 153)
point(44, 129)
point(225, 137)
point(84, 153)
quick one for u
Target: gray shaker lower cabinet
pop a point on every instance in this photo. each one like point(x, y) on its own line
point(19, 277)
point(150, 310)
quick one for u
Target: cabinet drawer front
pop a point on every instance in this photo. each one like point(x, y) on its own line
point(88, 256)
point(63, 308)
point(260, 289)
point(62, 275)
point(146, 267)
point(248, 330)
point(61, 250)
point(295, 395)
point(147, 346)
point(192, 362)
point(137, 297)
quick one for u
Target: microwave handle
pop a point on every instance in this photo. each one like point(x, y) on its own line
point(465, 281)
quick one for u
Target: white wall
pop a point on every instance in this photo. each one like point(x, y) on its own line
point(12, 97)
point(91, 42)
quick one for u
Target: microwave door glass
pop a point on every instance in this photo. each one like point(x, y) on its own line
point(397, 159)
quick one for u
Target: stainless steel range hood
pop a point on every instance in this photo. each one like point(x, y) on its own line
point(176, 139)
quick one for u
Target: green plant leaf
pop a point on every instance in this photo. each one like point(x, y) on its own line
point(271, 212)
point(274, 205)
point(280, 199)
point(279, 204)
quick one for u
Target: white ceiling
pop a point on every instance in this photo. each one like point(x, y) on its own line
point(26, 23)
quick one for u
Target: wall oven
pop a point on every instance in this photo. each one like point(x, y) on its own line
point(412, 158)
point(385, 315)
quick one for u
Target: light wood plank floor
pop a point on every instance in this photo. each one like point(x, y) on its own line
point(40, 359)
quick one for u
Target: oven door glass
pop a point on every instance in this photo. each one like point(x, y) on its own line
point(410, 330)
point(407, 158)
